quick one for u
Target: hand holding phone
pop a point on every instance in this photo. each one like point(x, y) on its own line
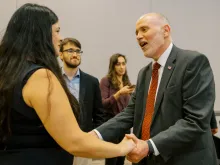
point(132, 86)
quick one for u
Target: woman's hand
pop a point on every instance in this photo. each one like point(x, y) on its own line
point(126, 90)
point(126, 146)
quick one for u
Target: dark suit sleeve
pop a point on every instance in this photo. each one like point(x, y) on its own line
point(122, 122)
point(98, 112)
point(117, 126)
point(213, 123)
point(198, 95)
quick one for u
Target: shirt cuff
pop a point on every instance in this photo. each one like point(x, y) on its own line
point(150, 147)
point(98, 134)
point(156, 152)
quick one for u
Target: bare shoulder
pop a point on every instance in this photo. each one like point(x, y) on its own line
point(42, 73)
point(38, 84)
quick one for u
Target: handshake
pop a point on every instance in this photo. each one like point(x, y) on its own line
point(133, 148)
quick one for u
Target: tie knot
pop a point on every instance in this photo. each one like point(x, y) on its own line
point(156, 66)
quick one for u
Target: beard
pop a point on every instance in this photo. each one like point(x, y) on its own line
point(71, 65)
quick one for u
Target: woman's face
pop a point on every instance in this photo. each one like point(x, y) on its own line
point(56, 37)
point(120, 66)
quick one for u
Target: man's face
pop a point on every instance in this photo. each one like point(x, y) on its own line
point(70, 55)
point(150, 36)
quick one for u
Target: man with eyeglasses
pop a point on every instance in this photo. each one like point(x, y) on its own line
point(84, 87)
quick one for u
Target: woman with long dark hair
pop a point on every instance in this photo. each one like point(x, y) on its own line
point(116, 89)
point(38, 115)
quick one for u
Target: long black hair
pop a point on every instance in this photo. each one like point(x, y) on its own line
point(28, 37)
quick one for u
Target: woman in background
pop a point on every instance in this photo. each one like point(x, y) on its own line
point(38, 115)
point(116, 89)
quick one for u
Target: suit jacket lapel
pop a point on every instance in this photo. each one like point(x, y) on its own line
point(82, 86)
point(167, 72)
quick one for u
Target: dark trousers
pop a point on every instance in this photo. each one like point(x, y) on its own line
point(115, 161)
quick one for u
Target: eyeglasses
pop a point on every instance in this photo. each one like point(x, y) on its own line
point(71, 51)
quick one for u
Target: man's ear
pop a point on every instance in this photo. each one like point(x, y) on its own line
point(61, 55)
point(166, 29)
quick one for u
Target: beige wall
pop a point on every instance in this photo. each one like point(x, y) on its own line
point(105, 27)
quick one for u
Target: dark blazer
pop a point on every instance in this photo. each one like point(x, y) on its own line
point(91, 110)
point(213, 123)
point(180, 126)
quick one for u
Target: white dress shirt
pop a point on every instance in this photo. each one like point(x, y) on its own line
point(162, 61)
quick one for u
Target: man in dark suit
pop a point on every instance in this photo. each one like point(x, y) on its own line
point(84, 87)
point(171, 108)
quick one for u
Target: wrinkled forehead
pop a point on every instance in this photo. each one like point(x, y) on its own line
point(149, 21)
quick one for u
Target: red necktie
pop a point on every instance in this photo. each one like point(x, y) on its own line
point(150, 103)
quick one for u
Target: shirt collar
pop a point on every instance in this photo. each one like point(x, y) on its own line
point(163, 58)
point(77, 73)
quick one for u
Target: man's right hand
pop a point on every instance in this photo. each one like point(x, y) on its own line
point(125, 146)
point(140, 151)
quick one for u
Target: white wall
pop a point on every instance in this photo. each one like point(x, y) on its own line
point(105, 27)
point(7, 8)
point(196, 26)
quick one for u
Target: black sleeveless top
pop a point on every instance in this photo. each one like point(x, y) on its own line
point(30, 144)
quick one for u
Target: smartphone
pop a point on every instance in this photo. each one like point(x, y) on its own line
point(132, 86)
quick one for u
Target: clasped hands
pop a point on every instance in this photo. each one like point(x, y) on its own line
point(134, 153)
point(140, 151)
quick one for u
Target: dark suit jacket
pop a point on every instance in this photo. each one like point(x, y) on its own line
point(213, 123)
point(180, 126)
point(91, 110)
